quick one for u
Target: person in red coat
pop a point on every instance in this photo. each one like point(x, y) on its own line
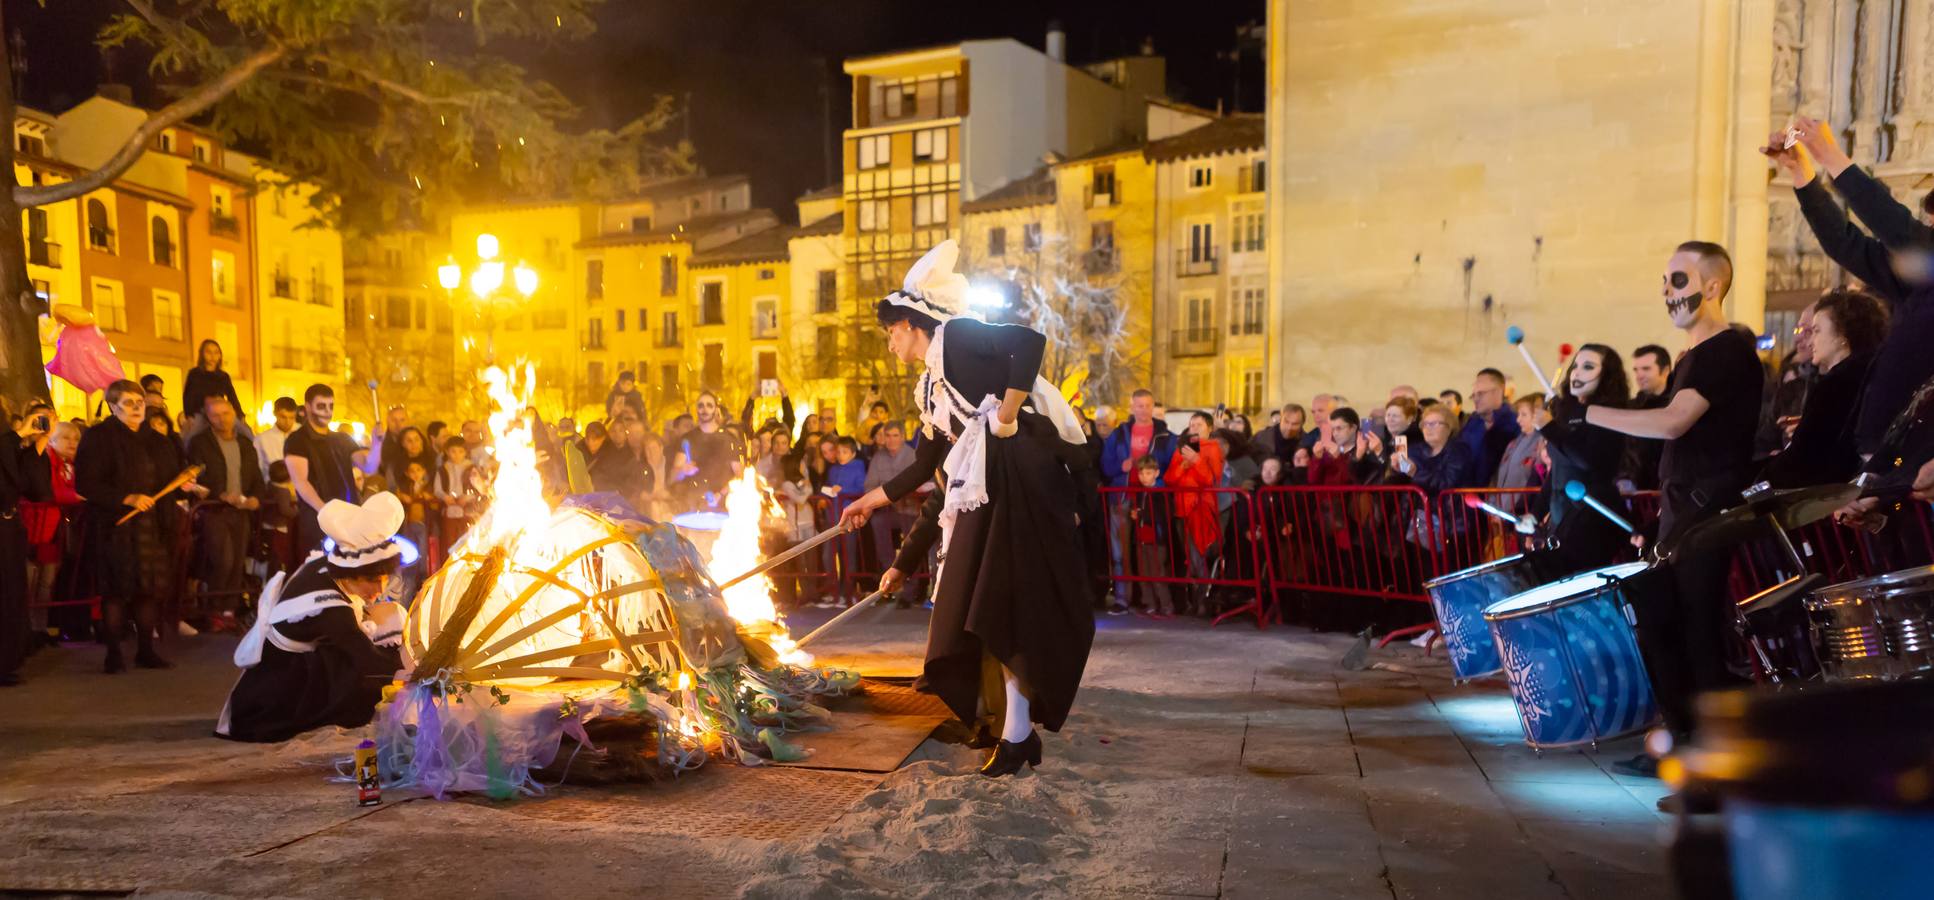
point(1197, 463)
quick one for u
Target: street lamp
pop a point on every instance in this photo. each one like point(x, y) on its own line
point(486, 278)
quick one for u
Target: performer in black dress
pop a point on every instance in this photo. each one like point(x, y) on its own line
point(121, 466)
point(1586, 454)
point(323, 644)
point(1013, 583)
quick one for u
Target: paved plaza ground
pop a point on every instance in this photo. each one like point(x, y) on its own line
point(1198, 763)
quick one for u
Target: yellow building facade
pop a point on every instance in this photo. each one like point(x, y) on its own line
point(299, 287)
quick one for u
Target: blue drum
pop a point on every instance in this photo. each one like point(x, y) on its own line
point(1460, 599)
point(1572, 660)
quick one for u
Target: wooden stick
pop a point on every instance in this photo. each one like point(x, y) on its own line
point(189, 474)
point(864, 603)
point(783, 558)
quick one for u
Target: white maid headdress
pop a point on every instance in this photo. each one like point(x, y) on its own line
point(932, 287)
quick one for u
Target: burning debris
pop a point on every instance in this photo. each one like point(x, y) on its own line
point(545, 621)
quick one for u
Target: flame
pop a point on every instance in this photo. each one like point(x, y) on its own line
point(747, 504)
point(517, 492)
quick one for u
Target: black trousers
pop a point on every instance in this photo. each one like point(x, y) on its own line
point(1683, 611)
point(224, 548)
point(13, 592)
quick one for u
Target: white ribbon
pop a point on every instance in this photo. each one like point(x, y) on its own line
point(271, 610)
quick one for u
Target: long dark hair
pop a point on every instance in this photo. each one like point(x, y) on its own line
point(1613, 388)
point(201, 354)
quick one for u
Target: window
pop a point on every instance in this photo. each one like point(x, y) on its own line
point(222, 276)
point(594, 334)
point(711, 303)
point(1031, 237)
point(31, 145)
point(694, 205)
point(1245, 314)
point(1252, 178)
point(765, 274)
point(100, 229)
point(876, 151)
point(668, 329)
point(1101, 248)
point(1252, 391)
point(594, 372)
point(873, 215)
point(1201, 175)
point(640, 224)
point(668, 275)
point(594, 279)
point(765, 318)
point(620, 323)
point(164, 249)
point(643, 325)
point(1201, 242)
point(828, 294)
point(996, 242)
point(167, 316)
point(668, 380)
point(110, 307)
point(165, 141)
point(201, 151)
point(826, 351)
point(397, 312)
point(929, 209)
point(930, 145)
point(1103, 188)
point(1201, 316)
point(949, 96)
point(899, 99)
point(352, 310)
point(275, 201)
point(422, 313)
point(445, 323)
point(725, 202)
point(43, 291)
point(713, 374)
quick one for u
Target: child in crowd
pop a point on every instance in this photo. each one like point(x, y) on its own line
point(278, 517)
point(796, 498)
point(1148, 523)
point(845, 483)
point(451, 488)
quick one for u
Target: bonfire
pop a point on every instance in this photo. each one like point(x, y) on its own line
point(592, 622)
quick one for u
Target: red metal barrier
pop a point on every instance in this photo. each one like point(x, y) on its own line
point(1363, 541)
point(1472, 536)
point(1189, 536)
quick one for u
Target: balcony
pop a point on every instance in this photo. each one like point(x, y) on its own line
point(299, 359)
point(44, 253)
point(1093, 200)
point(1201, 262)
point(282, 286)
point(1192, 342)
point(593, 340)
point(101, 239)
point(321, 293)
point(223, 224)
point(667, 338)
point(164, 254)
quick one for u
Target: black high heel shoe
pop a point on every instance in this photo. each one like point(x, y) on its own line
point(1008, 756)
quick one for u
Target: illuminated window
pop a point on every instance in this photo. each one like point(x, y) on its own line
point(110, 306)
point(167, 316)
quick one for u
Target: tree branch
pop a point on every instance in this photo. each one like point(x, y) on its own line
point(137, 143)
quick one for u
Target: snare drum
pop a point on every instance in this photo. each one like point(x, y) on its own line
point(1879, 628)
point(1572, 660)
point(1460, 599)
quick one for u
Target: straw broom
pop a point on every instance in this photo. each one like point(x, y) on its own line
point(448, 643)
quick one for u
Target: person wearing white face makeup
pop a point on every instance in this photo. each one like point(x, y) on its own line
point(1586, 454)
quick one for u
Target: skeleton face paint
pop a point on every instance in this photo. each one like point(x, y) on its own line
point(1587, 369)
point(1680, 304)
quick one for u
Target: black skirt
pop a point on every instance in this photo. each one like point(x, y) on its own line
point(1014, 583)
point(338, 683)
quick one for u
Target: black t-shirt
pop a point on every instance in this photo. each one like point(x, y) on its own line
point(331, 471)
point(713, 453)
point(1724, 370)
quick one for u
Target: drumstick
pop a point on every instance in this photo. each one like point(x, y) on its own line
point(1515, 335)
point(1475, 502)
point(187, 475)
point(1576, 491)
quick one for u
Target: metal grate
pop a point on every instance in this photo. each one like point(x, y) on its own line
point(721, 800)
point(892, 698)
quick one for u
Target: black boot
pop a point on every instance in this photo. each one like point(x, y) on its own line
point(144, 655)
point(1008, 756)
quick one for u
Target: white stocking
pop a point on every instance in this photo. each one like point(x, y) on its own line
point(1018, 727)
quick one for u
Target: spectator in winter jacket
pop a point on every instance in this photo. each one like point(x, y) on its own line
point(1198, 464)
point(1142, 435)
point(1347, 455)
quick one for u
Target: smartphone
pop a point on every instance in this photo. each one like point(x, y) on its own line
point(43, 423)
point(1403, 443)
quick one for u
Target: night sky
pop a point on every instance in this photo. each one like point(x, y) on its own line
point(759, 72)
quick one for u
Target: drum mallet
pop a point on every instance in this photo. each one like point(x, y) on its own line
point(1475, 502)
point(1515, 335)
point(865, 602)
point(1576, 491)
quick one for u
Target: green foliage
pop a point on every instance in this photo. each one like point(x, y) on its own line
point(398, 106)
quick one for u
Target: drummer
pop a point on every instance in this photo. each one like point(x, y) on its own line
point(1588, 454)
point(1708, 424)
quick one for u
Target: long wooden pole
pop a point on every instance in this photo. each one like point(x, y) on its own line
point(848, 612)
point(788, 556)
point(187, 475)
